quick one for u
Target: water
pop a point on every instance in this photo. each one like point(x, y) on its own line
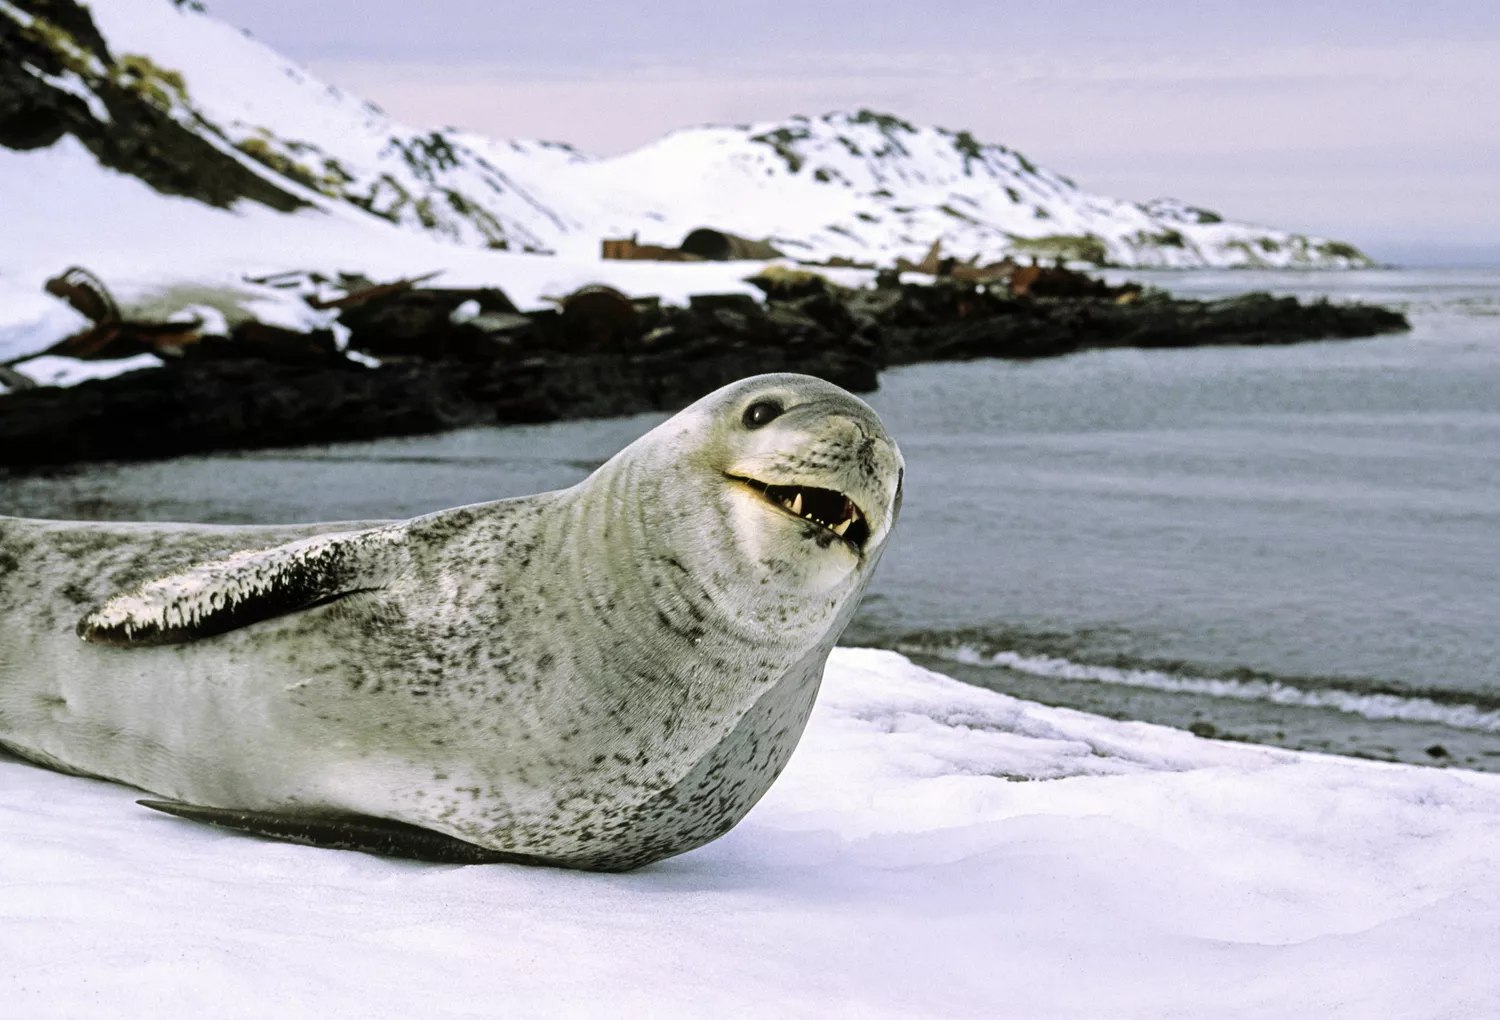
point(1293, 545)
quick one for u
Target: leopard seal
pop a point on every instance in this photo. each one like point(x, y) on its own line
point(597, 677)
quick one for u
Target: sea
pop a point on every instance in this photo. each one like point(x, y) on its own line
point(1293, 545)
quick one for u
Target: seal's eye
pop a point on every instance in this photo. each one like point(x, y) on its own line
point(761, 412)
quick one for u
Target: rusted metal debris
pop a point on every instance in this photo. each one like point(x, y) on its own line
point(1022, 281)
point(111, 336)
point(969, 270)
point(995, 272)
point(111, 340)
point(722, 246)
point(86, 293)
point(286, 280)
point(379, 290)
point(598, 317)
point(1061, 282)
point(930, 263)
point(837, 262)
point(704, 244)
point(628, 248)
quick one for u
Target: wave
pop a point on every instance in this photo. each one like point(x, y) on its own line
point(1378, 706)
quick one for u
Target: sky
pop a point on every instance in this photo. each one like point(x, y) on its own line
point(1375, 122)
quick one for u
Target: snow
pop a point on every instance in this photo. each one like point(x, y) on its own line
point(161, 256)
point(871, 186)
point(260, 101)
point(863, 185)
point(50, 370)
point(933, 850)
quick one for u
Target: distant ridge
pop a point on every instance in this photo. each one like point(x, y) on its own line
point(872, 185)
point(162, 90)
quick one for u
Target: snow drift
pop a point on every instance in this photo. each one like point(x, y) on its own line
point(933, 850)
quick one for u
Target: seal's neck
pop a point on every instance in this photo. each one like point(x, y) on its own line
point(651, 549)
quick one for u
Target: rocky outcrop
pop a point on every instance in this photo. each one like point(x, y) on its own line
point(954, 323)
point(451, 358)
point(202, 405)
point(58, 77)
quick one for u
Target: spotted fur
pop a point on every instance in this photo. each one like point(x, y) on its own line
point(597, 677)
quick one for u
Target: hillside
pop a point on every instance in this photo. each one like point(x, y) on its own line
point(868, 185)
point(163, 91)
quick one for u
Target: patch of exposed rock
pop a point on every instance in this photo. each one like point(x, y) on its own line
point(441, 358)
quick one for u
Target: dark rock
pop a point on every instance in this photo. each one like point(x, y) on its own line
point(140, 138)
point(419, 323)
point(742, 303)
point(1438, 752)
point(259, 341)
point(202, 405)
point(609, 356)
point(916, 329)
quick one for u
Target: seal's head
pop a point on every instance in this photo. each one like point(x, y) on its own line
point(815, 481)
point(793, 483)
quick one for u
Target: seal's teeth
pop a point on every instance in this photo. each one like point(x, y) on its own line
point(819, 506)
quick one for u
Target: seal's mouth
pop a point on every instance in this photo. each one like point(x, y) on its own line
point(833, 511)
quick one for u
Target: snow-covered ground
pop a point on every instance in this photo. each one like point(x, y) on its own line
point(933, 850)
point(860, 185)
point(161, 255)
point(386, 200)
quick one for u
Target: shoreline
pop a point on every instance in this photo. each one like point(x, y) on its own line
point(436, 360)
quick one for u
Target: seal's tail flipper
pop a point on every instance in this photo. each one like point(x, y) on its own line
point(346, 832)
point(222, 595)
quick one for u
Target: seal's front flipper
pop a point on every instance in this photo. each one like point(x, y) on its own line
point(346, 832)
point(221, 595)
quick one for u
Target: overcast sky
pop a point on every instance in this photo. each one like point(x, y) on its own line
point(1376, 122)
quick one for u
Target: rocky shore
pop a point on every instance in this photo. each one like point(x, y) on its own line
point(428, 359)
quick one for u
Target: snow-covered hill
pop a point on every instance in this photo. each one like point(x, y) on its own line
point(312, 140)
point(868, 185)
point(163, 90)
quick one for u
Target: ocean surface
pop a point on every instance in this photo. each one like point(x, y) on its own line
point(1294, 545)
